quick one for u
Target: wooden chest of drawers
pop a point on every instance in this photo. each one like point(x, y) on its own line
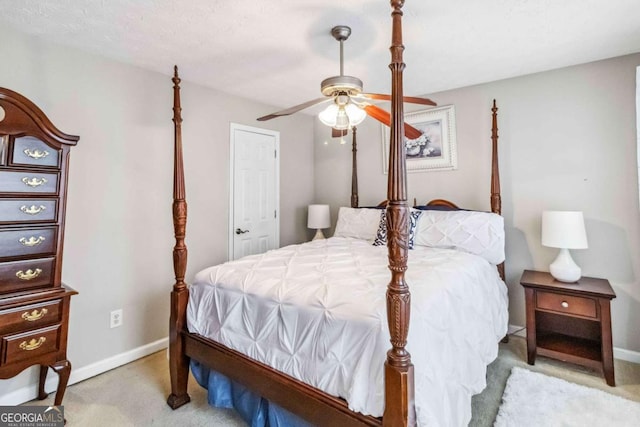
point(34, 304)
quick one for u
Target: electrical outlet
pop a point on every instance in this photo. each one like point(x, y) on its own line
point(115, 318)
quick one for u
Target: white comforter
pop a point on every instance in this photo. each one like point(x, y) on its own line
point(317, 312)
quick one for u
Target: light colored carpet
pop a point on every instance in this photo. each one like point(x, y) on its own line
point(135, 394)
point(532, 399)
point(485, 405)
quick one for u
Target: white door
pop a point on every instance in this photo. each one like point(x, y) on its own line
point(254, 199)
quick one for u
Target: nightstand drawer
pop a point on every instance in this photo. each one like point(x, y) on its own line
point(27, 242)
point(565, 304)
point(30, 316)
point(28, 150)
point(30, 344)
point(21, 275)
point(28, 182)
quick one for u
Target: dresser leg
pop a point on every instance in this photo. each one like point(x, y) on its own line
point(43, 377)
point(63, 369)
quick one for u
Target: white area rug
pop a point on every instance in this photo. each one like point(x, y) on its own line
point(533, 399)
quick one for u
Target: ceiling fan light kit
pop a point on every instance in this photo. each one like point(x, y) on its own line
point(342, 116)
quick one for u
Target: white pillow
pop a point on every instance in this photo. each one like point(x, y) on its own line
point(359, 223)
point(479, 233)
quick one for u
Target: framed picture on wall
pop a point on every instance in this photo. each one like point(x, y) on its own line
point(436, 147)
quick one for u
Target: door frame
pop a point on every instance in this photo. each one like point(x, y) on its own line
point(232, 128)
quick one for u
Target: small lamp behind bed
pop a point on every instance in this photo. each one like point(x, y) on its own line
point(564, 230)
point(319, 218)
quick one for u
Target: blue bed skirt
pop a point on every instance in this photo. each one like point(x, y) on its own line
point(254, 409)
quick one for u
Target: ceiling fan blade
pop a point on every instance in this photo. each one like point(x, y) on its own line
point(295, 109)
point(384, 117)
point(338, 133)
point(409, 99)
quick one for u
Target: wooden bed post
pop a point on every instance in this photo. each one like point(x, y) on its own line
point(354, 169)
point(399, 381)
point(178, 361)
point(496, 200)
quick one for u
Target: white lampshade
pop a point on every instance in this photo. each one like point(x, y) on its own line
point(319, 217)
point(564, 230)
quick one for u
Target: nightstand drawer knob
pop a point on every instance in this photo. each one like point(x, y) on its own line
point(565, 304)
point(29, 274)
point(34, 315)
point(33, 344)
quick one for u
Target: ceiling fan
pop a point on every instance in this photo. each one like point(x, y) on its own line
point(349, 105)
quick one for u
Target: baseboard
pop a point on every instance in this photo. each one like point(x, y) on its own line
point(618, 353)
point(28, 393)
point(628, 355)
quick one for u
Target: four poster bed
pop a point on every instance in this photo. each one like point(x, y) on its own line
point(306, 327)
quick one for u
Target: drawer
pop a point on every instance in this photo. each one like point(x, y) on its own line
point(30, 151)
point(18, 347)
point(28, 242)
point(28, 182)
point(566, 304)
point(21, 275)
point(28, 210)
point(30, 316)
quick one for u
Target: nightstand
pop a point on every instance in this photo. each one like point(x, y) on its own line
point(570, 321)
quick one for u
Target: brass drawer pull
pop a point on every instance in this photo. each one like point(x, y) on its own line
point(34, 182)
point(564, 304)
point(33, 210)
point(34, 315)
point(31, 241)
point(29, 274)
point(33, 344)
point(36, 154)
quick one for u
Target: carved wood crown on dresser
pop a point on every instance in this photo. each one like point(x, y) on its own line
point(34, 303)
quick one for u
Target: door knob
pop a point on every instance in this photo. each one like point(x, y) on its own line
point(239, 231)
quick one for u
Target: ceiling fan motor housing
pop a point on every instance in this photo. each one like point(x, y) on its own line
point(341, 84)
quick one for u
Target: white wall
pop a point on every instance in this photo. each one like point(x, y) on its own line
point(567, 142)
point(119, 232)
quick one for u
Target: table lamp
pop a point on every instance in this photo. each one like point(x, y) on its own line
point(564, 230)
point(318, 218)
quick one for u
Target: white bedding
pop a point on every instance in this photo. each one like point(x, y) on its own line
point(317, 311)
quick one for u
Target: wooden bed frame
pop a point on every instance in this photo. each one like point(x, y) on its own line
point(308, 402)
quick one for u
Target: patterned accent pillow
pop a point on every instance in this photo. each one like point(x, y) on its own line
point(381, 236)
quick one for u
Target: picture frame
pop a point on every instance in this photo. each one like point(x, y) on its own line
point(436, 150)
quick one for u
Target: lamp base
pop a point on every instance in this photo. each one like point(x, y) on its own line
point(564, 268)
point(318, 235)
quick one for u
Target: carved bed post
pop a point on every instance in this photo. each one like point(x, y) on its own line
point(399, 381)
point(178, 361)
point(354, 169)
point(496, 200)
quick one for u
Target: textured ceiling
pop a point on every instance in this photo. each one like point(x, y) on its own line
point(278, 51)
